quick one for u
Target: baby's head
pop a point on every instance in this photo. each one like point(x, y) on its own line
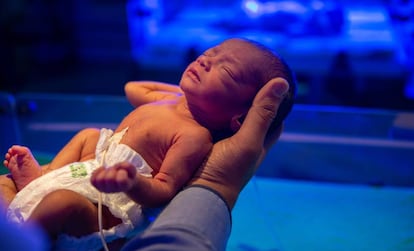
point(271, 66)
point(221, 84)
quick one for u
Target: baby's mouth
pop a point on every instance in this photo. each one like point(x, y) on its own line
point(193, 74)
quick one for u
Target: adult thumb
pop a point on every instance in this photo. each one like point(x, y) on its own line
point(263, 111)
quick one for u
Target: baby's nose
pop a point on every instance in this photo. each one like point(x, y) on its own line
point(204, 62)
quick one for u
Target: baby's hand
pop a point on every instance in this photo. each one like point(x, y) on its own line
point(117, 178)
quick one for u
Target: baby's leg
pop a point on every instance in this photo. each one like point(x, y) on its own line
point(65, 211)
point(8, 190)
point(80, 148)
point(22, 165)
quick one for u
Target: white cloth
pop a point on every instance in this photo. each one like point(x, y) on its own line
point(76, 177)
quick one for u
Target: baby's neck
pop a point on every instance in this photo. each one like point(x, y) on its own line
point(181, 107)
point(202, 119)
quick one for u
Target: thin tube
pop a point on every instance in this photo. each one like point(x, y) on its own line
point(100, 222)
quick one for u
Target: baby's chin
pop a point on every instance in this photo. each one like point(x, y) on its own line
point(186, 84)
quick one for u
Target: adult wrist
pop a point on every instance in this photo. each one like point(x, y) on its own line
point(223, 191)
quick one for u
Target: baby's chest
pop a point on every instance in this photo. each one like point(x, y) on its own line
point(150, 132)
point(154, 126)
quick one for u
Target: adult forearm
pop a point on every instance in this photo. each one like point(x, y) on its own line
point(196, 219)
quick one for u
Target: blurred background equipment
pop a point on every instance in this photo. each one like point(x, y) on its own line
point(352, 53)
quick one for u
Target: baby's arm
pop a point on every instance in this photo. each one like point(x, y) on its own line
point(180, 163)
point(177, 168)
point(142, 92)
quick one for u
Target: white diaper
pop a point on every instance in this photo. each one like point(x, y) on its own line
point(76, 177)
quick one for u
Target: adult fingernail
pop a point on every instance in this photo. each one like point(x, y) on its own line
point(281, 89)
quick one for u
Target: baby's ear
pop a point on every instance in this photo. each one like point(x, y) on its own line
point(236, 122)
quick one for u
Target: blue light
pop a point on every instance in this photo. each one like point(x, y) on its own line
point(251, 6)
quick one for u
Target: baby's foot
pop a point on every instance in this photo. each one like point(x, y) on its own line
point(22, 165)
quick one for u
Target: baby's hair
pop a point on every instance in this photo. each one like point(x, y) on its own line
point(275, 66)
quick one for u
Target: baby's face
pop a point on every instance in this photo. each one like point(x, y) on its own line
point(220, 83)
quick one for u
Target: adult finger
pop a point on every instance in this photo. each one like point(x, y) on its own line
point(263, 111)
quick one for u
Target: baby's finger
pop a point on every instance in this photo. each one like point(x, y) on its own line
point(97, 176)
point(109, 181)
point(128, 167)
point(122, 181)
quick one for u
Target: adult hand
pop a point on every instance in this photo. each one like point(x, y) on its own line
point(233, 161)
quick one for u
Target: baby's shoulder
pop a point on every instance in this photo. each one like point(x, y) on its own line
point(195, 132)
